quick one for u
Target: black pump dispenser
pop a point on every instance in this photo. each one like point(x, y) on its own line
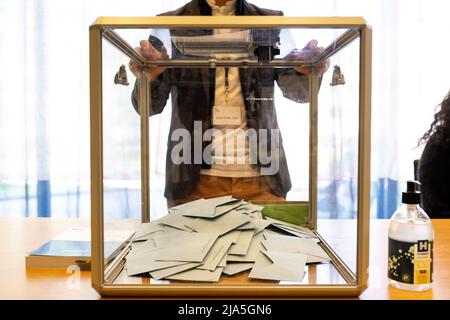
point(412, 194)
point(410, 244)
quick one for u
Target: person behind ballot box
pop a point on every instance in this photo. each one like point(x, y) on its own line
point(434, 164)
point(224, 104)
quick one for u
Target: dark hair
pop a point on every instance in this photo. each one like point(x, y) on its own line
point(440, 127)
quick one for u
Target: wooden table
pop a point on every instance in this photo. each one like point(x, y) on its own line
point(19, 236)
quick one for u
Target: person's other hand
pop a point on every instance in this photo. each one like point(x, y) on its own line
point(307, 53)
point(150, 53)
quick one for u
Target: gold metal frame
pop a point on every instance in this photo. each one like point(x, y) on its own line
point(357, 27)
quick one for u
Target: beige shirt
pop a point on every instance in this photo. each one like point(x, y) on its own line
point(230, 152)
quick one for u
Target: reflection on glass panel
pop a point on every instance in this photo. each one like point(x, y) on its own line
point(232, 154)
point(338, 154)
point(121, 155)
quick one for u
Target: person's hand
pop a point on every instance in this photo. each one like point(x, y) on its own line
point(150, 53)
point(307, 53)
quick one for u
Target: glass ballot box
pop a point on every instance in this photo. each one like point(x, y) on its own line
point(235, 151)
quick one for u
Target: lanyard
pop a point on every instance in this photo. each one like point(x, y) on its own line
point(227, 86)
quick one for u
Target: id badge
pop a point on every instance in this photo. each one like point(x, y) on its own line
point(226, 116)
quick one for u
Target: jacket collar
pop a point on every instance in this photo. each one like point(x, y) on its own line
point(201, 7)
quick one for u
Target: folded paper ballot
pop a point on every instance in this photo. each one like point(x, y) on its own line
point(201, 239)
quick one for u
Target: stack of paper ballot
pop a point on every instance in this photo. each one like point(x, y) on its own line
point(200, 240)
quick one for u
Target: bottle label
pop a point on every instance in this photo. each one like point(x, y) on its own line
point(410, 262)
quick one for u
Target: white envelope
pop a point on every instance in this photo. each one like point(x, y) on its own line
point(224, 208)
point(253, 252)
point(279, 266)
point(144, 263)
point(202, 207)
point(247, 226)
point(193, 248)
point(221, 225)
point(146, 229)
point(307, 246)
point(142, 247)
point(293, 232)
point(163, 273)
point(175, 220)
point(291, 227)
point(233, 268)
point(179, 209)
point(198, 275)
point(210, 208)
point(223, 262)
point(173, 237)
point(217, 252)
point(243, 243)
point(250, 207)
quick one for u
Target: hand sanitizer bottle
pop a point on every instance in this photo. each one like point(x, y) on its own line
point(411, 236)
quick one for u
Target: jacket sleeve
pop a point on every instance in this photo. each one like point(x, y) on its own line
point(159, 90)
point(293, 84)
